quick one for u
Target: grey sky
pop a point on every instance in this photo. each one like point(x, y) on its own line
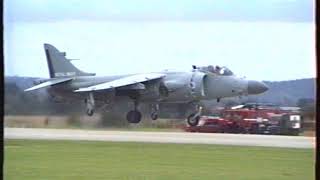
point(154, 10)
point(263, 40)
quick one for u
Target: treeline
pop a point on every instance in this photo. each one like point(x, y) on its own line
point(18, 102)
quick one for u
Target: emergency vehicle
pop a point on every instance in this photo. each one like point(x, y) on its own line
point(251, 119)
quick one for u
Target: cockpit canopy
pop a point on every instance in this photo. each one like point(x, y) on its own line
point(224, 71)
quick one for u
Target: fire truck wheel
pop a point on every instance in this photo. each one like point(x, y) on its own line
point(193, 120)
point(294, 132)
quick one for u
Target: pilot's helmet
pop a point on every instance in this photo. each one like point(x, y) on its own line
point(222, 71)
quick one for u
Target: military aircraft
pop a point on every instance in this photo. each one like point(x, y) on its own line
point(190, 87)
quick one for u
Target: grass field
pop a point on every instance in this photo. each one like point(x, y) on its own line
point(39, 159)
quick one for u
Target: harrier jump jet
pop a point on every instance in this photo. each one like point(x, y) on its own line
point(190, 87)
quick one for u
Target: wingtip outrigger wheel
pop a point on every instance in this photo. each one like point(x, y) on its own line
point(90, 104)
point(154, 116)
point(154, 111)
point(90, 112)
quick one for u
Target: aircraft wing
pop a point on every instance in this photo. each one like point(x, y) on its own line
point(49, 83)
point(129, 80)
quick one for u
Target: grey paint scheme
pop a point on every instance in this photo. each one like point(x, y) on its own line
point(215, 87)
point(183, 87)
point(60, 67)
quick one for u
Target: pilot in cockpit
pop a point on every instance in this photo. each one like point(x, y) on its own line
point(211, 69)
point(224, 71)
point(218, 69)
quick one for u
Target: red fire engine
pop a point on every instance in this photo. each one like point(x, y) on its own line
point(251, 120)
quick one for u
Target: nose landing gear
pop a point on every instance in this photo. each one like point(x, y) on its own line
point(193, 119)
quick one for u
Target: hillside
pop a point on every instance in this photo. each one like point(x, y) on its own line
point(288, 92)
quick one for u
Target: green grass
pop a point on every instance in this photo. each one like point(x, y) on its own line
point(40, 159)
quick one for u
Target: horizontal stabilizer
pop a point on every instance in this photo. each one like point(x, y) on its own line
point(129, 80)
point(49, 83)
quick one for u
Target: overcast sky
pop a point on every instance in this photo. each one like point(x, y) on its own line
point(262, 40)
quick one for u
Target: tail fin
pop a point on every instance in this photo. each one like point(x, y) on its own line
point(59, 65)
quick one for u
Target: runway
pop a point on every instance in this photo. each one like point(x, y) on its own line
point(161, 137)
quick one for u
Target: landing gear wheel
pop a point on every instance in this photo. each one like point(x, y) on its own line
point(193, 119)
point(154, 116)
point(89, 101)
point(134, 116)
point(90, 112)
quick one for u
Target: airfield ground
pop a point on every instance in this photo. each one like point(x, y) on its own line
point(161, 137)
point(32, 158)
point(61, 159)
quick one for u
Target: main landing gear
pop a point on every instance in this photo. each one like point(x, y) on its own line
point(134, 116)
point(193, 119)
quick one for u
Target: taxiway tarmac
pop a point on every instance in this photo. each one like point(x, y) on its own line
point(161, 137)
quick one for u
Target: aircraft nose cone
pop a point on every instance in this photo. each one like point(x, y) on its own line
point(256, 87)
